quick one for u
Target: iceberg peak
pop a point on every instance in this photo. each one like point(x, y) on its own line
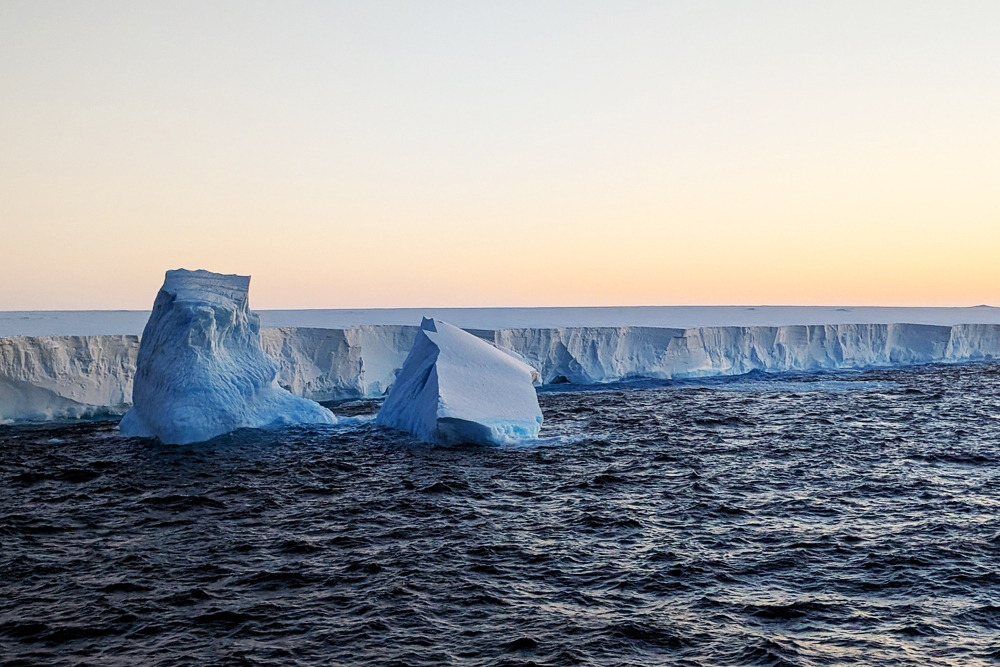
point(201, 286)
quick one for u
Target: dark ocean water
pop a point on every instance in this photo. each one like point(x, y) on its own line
point(810, 520)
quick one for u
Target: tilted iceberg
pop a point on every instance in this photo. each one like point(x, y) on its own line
point(201, 371)
point(455, 387)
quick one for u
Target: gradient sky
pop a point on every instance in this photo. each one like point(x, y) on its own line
point(387, 154)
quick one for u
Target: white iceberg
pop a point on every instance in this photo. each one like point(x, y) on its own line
point(201, 371)
point(454, 387)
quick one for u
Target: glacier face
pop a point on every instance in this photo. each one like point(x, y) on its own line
point(72, 376)
point(586, 355)
point(331, 364)
point(66, 377)
point(454, 387)
point(201, 370)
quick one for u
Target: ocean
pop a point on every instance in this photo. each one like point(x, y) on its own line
point(807, 519)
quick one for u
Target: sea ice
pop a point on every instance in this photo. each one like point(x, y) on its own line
point(201, 371)
point(454, 387)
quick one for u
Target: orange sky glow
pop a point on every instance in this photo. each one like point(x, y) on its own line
point(531, 154)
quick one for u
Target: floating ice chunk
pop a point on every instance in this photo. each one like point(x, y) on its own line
point(200, 370)
point(454, 387)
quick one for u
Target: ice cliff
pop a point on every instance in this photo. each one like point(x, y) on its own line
point(588, 355)
point(331, 364)
point(454, 387)
point(73, 376)
point(201, 370)
point(66, 377)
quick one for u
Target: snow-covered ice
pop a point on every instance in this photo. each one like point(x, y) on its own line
point(454, 387)
point(201, 370)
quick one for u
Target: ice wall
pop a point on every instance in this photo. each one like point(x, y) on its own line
point(66, 377)
point(71, 376)
point(331, 364)
point(586, 355)
point(589, 355)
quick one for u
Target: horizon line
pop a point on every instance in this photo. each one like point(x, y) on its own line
point(386, 308)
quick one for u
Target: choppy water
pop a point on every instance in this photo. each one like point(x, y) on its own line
point(805, 521)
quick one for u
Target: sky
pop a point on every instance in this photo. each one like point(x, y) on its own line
point(470, 154)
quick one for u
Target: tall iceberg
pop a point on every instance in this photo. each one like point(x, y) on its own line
point(454, 387)
point(201, 371)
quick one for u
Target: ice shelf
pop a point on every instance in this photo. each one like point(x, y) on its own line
point(66, 377)
point(454, 387)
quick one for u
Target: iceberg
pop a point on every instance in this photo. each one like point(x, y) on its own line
point(200, 369)
point(455, 387)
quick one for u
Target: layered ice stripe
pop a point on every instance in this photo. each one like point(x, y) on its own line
point(73, 376)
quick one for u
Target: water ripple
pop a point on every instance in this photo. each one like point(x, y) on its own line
point(835, 519)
